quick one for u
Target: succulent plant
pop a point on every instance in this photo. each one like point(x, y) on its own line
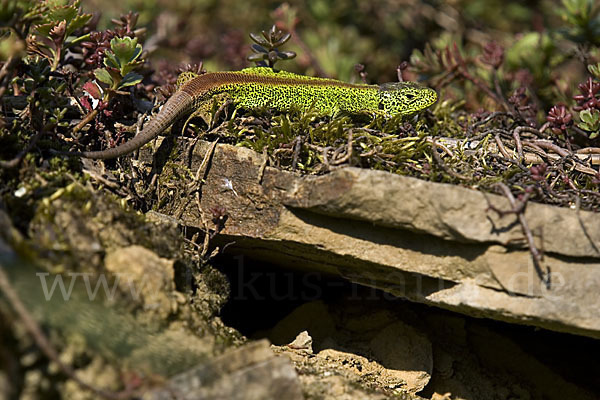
point(266, 52)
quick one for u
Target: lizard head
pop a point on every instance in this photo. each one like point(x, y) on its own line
point(405, 98)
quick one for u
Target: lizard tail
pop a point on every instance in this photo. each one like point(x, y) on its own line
point(177, 105)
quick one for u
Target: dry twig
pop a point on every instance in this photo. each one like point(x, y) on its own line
point(518, 208)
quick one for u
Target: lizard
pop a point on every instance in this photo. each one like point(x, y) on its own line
point(258, 87)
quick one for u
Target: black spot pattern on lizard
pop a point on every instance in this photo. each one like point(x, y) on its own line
point(263, 87)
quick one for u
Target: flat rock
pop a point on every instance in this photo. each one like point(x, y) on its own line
point(447, 211)
point(428, 242)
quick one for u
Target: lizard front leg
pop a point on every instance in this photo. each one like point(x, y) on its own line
point(209, 110)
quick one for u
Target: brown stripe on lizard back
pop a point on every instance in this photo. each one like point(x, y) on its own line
point(200, 89)
point(210, 81)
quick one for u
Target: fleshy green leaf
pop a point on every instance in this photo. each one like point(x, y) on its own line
point(110, 60)
point(595, 70)
point(282, 40)
point(63, 13)
point(126, 49)
point(103, 76)
point(77, 40)
point(257, 57)
point(590, 121)
point(116, 77)
point(285, 55)
point(44, 29)
point(259, 49)
point(78, 22)
point(130, 79)
point(258, 39)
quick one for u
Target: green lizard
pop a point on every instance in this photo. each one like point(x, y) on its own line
point(258, 87)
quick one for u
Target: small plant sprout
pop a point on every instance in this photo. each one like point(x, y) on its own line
point(266, 52)
point(56, 32)
point(121, 61)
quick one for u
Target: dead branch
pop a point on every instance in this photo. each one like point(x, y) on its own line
point(518, 208)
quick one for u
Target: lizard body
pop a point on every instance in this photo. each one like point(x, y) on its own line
point(258, 87)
